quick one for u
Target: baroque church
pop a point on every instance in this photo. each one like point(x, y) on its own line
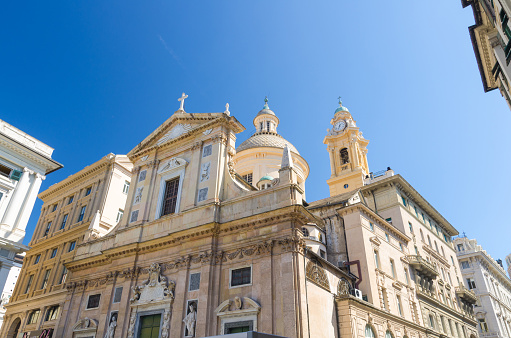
point(189, 235)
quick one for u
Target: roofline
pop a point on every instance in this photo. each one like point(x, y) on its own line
point(56, 165)
point(437, 216)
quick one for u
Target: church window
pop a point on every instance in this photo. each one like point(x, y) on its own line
point(52, 313)
point(93, 301)
point(194, 283)
point(345, 158)
point(37, 258)
point(45, 279)
point(54, 207)
point(70, 200)
point(170, 196)
point(305, 232)
point(126, 187)
point(247, 178)
point(261, 126)
point(53, 253)
point(88, 191)
point(33, 316)
point(64, 220)
point(29, 283)
point(117, 295)
point(241, 276)
point(369, 333)
point(82, 212)
point(267, 125)
point(150, 326)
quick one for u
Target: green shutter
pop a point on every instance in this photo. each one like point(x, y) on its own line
point(16, 175)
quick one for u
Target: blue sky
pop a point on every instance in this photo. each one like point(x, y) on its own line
point(94, 77)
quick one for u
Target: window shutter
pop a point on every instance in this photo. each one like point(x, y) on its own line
point(16, 175)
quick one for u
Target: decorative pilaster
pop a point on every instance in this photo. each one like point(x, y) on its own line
point(332, 161)
point(29, 202)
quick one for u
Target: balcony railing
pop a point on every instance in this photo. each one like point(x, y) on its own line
point(466, 294)
point(422, 266)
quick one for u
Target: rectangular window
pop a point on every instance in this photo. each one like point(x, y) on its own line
point(29, 283)
point(411, 227)
point(54, 207)
point(387, 237)
point(53, 253)
point(371, 226)
point(465, 265)
point(384, 298)
point(247, 178)
point(376, 259)
point(170, 196)
point(37, 259)
point(33, 317)
point(407, 279)
point(134, 216)
point(460, 247)
point(241, 276)
point(404, 200)
point(45, 279)
point(82, 212)
point(63, 276)
point(401, 246)
point(267, 125)
point(471, 283)
point(47, 230)
point(483, 325)
point(398, 302)
point(93, 301)
point(52, 313)
point(392, 268)
point(431, 322)
point(119, 215)
point(64, 220)
point(71, 246)
point(126, 187)
point(88, 191)
point(194, 282)
point(117, 295)
point(70, 200)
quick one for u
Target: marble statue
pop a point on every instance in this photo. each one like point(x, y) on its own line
point(182, 100)
point(190, 320)
point(110, 332)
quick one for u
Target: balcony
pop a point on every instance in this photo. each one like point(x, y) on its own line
point(465, 294)
point(422, 266)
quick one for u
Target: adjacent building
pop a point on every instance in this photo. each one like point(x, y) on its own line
point(82, 207)
point(487, 278)
point(219, 239)
point(24, 164)
point(491, 39)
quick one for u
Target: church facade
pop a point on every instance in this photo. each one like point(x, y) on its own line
point(218, 239)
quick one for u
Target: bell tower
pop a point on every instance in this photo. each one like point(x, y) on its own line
point(347, 149)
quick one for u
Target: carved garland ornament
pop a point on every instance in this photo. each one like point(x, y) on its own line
point(315, 273)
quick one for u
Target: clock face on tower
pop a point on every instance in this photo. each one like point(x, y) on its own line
point(340, 125)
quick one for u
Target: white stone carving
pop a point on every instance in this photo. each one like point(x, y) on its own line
point(208, 131)
point(177, 131)
point(155, 287)
point(166, 324)
point(238, 303)
point(246, 306)
point(138, 195)
point(173, 163)
point(131, 328)
point(86, 325)
point(145, 157)
point(190, 320)
point(182, 100)
point(204, 173)
point(227, 109)
point(110, 331)
point(203, 195)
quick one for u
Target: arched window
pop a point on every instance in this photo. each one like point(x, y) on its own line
point(429, 242)
point(388, 334)
point(305, 232)
point(369, 332)
point(345, 158)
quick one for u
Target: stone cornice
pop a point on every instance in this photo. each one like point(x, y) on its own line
point(375, 217)
point(488, 262)
point(423, 296)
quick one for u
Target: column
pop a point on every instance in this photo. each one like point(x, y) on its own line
point(29, 202)
point(332, 161)
point(17, 198)
point(4, 273)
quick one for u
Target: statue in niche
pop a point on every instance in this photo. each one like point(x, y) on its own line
point(238, 304)
point(345, 157)
point(110, 331)
point(190, 319)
